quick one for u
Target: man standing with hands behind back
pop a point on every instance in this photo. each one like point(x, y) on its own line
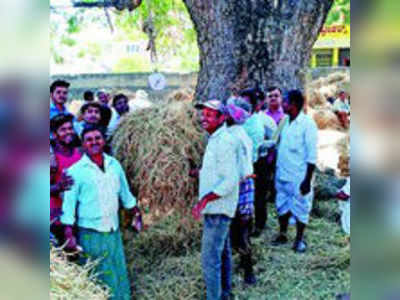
point(219, 195)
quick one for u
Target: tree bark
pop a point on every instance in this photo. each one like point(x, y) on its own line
point(254, 42)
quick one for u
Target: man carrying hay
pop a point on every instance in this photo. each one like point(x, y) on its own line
point(237, 112)
point(92, 204)
point(297, 156)
point(218, 194)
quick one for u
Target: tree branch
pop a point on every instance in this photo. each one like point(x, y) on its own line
point(104, 3)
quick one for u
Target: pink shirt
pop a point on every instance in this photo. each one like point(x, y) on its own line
point(64, 162)
point(277, 115)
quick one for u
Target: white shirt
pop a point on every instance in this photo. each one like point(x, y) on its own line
point(341, 106)
point(297, 148)
point(245, 151)
point(220, 173)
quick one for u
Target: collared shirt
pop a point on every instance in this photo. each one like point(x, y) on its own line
point(93, 200)
point(259, 127)
point(220, 173)
point(245, 149)
point(341, 106)
point(276, 116)
point(297, 148)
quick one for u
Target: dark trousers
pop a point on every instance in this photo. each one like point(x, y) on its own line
point(260, 193)
point(240, 230)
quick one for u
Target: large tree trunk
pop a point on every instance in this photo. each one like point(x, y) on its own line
point(254, 42)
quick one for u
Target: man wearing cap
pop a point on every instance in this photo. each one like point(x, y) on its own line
point(218, 194)
point(237, 112)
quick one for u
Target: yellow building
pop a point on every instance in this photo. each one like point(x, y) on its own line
point(332, 49)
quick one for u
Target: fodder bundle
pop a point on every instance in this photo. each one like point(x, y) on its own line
point(157, 147)
point(181, 95)
point(344, 156)
point(325, 119)
point(71, 281)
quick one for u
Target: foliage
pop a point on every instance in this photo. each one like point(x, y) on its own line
point(339, 13)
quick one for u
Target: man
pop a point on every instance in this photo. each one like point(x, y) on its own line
point(106, 112)
point(121, 106)
point(341, 107)
point(91, 115)
point(92, 204)
point(259, 127)
point(65, 154)
point(274, 100)
point(218, 194)
point(297, 156)
point(58, 96)
point(237, 112)
point(88, 96)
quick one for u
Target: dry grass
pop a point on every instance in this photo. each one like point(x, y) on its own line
point(69, 281)
point(166, 265)
point(156, 146)
point(325, 119)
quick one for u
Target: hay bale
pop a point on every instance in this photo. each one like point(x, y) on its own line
point(326, 119)
point(344, 156)
point(337, 77)
point(181, 95)
point(326, 184)
point(156, 147)
point(71, 281)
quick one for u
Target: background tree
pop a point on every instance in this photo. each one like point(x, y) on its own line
point(243, 43)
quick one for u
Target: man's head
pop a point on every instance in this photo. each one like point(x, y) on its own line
point(212, 115)
point(237, 110)
point(342, 95)
point(88, 96)
point(274, 98)
point(120, 103)
point(62, 128)
point(59, 92)
point(254, 96)
point(91, 112)
point(93, 141)
point(294, 103)
point(103, 97)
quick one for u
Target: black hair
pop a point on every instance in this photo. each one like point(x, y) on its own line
point(58, 83)
point(296, 97)
point(88, 95)
point(118, 97)
point(57, 121)
point(90, 104)
point(255, 95)
point(273, 88)
point(90, 128)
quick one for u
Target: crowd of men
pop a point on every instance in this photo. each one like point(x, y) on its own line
point(261, 148)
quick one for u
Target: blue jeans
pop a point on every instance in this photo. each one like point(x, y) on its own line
point(216, 256)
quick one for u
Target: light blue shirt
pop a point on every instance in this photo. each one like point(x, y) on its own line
point(93, 201)
point(297, 148)
point(245, 155)
point(54, 111)
point(220, 173)
point(258, 127)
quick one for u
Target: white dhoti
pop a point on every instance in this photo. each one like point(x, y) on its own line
point(289, 199)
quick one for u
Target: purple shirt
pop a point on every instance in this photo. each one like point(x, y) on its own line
point(277, 115)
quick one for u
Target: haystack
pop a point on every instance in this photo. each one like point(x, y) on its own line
point(71, 281)
point(157, 147)
point(325, 119)
point(344, 156)
point(181, 95)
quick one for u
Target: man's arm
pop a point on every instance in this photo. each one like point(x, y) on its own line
point(127, 199)
point(311, 136)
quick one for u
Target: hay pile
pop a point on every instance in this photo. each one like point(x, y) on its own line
point(157, 147)
point(181, 95)
point(325, 119)
point(318, 93)
point(74, 106)
point(344, 156)
point(71, 281)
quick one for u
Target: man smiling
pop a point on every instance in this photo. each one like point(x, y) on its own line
point(219, 195)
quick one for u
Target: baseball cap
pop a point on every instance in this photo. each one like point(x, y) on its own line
point(213, 104)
